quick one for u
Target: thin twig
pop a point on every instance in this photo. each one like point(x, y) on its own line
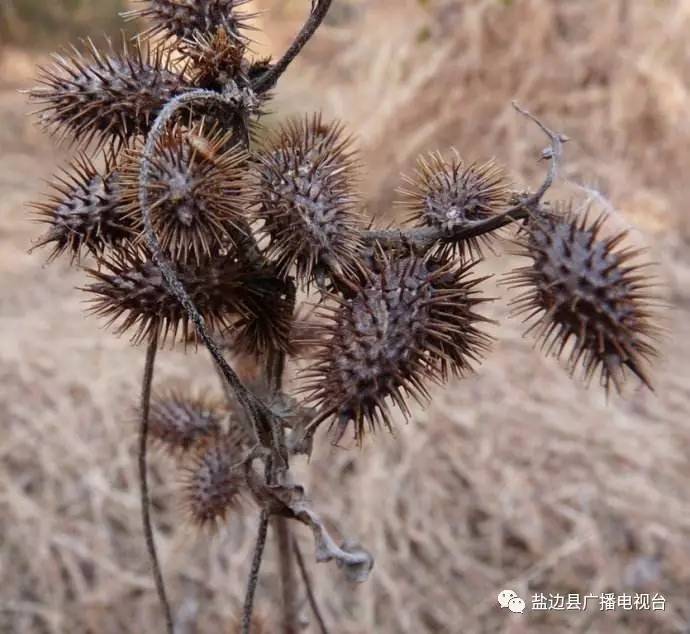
point(308, 585)
point(248, 608)
point(230, 397)
point(256, 411)
point(425, 237)
point(270, 77)
point(287, 576)
point(143, 479)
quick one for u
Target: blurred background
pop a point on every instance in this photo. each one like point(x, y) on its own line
point(515, 478)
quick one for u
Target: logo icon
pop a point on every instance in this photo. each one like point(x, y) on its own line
point(509, 599)
point(505, 596)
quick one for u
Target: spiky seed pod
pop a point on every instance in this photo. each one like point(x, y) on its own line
point(304, 182)
point(413, 321)
point(130, 289)
point(179, 421)
point(216, 59)
point(214, 480)
point(95, 96)
point(182, 19)
point(449, 194)
point(582, 288)
point(197, 201)
point(267, 323)
point(84, 211)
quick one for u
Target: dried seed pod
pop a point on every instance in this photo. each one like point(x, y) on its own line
point(580, 287)
point(130, 289)
point(179, 421)
point(448, 194)
point(413, 320)
point(84, 211)
point(96, 96)
point(304, 182)
point(183, 19)
point(196, 196)
point(268, 319)
point(215, 59)
point(214, 480)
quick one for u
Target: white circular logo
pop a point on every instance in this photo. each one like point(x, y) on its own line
point(505, 596)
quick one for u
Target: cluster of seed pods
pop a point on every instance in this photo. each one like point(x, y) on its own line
point(253, 219)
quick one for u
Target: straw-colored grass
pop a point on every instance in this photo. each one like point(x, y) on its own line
point(39, 23)
point(515, 478)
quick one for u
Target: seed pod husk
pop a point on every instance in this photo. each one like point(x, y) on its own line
point(84, 211)
point(196, 191)
point(131, 292)
point(108, 96)
point(304, 186)
point(178, 421)
point(450, 194)
point(216, 59)
point(214, 480)
point(412, 322)
point(582, 288)
point(182, 20)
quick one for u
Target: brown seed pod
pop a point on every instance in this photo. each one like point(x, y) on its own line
point(412, 321)
point(214, 480)
point(304, 184)
point(582, 288)
point(268, 319)
point(84, 211)
point(183, 19)
point(98, 97)
point(130, 289)
point(448, 194)
point(178, 421)
point(197, 202)
point(215, 59)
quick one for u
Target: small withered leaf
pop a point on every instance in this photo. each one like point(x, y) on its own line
point(99, 97)
point(84, 211)
point(304, 183)
point(196, 191)
point(582, 288)
point(413, 321)
point(449, 194)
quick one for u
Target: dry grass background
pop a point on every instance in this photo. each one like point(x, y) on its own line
point(517, 477)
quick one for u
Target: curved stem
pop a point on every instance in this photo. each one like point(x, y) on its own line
point(270, 77)
point(308, 585)
point(257, 412)
point(287, 576)
point(143, 479)
point(248, 608)
point(425, 237)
